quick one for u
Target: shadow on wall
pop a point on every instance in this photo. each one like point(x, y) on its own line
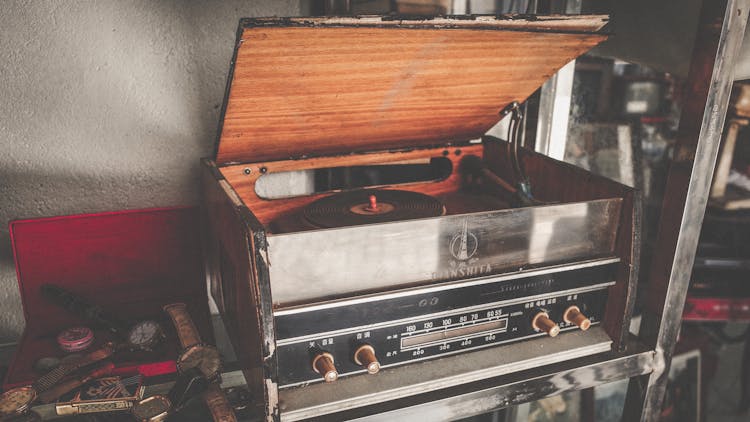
point(108, 106)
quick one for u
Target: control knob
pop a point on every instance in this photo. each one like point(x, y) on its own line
point(573, 315)
point(364, 356)
point(542, 322)
point(322, 363)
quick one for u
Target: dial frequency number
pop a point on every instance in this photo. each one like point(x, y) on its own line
point(445, 334)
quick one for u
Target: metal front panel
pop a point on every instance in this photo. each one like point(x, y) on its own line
point(410, 380)
point(324, 264)
point(384, 309)
point(460, 403)
point(436, 335)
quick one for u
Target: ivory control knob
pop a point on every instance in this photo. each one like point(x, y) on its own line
point(322, 363)
point(365, 356)
point(573, 315)
point(541, 322)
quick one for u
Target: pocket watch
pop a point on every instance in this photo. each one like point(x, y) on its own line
point(17, 401)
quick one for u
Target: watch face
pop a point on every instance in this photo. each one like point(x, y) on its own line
point(201, 356)
point(16, 400)
point(145, 334)
point(151, 407)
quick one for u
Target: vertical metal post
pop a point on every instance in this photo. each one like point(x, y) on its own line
point(554, 105)
point(554, 113)
point(721, 28)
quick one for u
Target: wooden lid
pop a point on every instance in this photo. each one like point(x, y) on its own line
point(321, 86)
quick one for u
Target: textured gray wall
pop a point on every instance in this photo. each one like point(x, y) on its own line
point(107, 105)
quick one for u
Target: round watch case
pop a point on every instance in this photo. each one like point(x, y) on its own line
point(145, 335)
point(75, 339)
point(202, 356)
point(17, 400)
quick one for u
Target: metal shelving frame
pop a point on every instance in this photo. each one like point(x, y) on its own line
point(721, 28)
point(646, 362)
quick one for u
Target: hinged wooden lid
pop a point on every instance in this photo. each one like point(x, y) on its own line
point(319, 86)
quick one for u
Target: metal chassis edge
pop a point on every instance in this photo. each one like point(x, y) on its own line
point(721, 29)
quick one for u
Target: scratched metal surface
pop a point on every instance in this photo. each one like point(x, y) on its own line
point(323, 264)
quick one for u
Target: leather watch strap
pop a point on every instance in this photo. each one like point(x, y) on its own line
point(218, 405)
point(186, 331)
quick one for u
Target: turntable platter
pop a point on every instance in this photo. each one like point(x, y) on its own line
point(371, 206)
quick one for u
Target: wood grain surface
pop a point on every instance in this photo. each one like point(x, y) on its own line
point(299, 91)
point(269, 210)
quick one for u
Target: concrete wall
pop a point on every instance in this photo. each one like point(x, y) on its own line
point(107, 105)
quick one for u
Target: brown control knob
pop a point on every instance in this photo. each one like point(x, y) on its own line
point(365, 356)
point(541, 322)
point(322, 363)
point(573, 315)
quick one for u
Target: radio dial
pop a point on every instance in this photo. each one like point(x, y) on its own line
point(365, 356)
point(322, 363)
point(542, 322)
point(573, 315)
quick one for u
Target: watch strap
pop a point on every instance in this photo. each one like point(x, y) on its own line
point(186, 331)
point(81, 307)
point(55, 392)
point(56, 375)
point(190, 383)
point(218, 404)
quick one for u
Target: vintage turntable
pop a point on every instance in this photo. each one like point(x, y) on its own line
point(331, 297)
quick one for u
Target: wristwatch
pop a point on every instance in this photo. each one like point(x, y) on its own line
point(17, 401)
point(195, 354)
point(189, 384)
point(218, 404)
point(145, 335)
point(49, 380)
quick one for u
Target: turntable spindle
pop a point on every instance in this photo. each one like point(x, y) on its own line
point(373, 203)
